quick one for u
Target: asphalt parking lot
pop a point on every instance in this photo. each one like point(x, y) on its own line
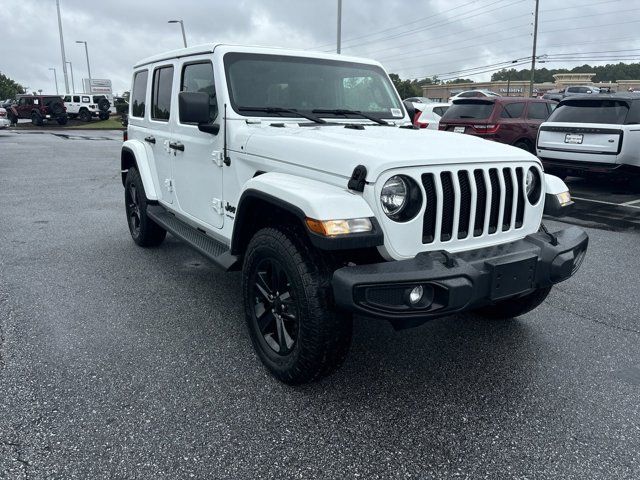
point(119, 362)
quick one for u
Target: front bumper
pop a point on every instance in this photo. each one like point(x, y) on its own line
point(461, 281)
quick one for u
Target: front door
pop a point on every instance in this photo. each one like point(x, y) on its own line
point(197, 170)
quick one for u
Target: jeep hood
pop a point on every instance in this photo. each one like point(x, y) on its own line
point(338, 150)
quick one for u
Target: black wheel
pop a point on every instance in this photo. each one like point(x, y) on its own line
point(524, 145)
point(103, 115)
point(36, 119)
point(12, 118)
point(104, 105)
point(84, 116)
point(144, 231)
point(514, 307)
point(57, 108)
point(294, 331)
point(62, 120)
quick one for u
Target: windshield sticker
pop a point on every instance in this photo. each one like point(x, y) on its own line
point(396, 112)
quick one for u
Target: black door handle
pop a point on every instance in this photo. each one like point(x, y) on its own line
point(150, 139)
point(176, 146)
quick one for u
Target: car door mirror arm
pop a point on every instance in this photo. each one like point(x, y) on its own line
point(209, 128)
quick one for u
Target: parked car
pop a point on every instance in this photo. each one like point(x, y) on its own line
point(587, 135)
point(38, 108)
point(473, 94)
point(555, 95)
point(585, 90)
point(299, 169)
point(429, 115)
point(4, 121)
point(418, 100)
point(85, 107)
point(511, 120)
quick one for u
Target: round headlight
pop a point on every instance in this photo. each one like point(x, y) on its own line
point(393, 196)
point(532, 185)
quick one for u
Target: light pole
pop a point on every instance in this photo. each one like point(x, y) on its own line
point(86, 51)
point(64, 58)
point(535, 41)
point(184, 37)
point(73, 84)
point(339, 39)
point(55, 77)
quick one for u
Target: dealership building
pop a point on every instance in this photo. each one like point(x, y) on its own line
point(517, 88)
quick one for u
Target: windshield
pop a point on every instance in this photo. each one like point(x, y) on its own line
point(462, 109)
point(591, 111)
point(308, 84)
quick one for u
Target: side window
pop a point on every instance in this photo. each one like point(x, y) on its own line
point(551, 107)
point(85, 100)
point(139, 93)
point(439, 110)
point(538, 111)
point(570, 90)
point(467, 94)
point(198, 77)
point(512, 110)
point(67, 98)
point(76, 98)
point(161, 93)
point(22, 101)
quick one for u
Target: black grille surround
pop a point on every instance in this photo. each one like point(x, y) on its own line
point(488, 201)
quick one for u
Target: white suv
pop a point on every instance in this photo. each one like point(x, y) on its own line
point(84, 106)
point(304, 171)
point(587, 135)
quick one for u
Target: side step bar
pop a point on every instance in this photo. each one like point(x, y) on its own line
point(211, 248)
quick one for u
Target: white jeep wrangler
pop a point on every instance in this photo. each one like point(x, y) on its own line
point(84, 106)
point(304, 171)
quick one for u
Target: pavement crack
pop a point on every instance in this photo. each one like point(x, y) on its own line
point(18, 448)
point(593, 320)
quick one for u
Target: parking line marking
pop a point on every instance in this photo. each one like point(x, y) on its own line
point(631, 202)
point(606, 203)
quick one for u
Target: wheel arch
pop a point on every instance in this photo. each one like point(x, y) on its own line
point(134, 155)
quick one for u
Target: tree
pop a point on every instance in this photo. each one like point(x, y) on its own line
point(406, 88)
point(9, 88)
point(603, 73)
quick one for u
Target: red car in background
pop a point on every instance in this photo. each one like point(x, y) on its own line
point(511, 120)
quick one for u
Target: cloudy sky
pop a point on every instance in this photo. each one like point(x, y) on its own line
point(414, 38)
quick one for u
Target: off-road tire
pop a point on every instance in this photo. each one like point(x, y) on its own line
point(514, 307)
point(323, 336)
point(57, 108)
point(103, 115)
point(144, 231)
point(36, 119)
point(104, 105)
point(62, 120)
point(12, 118)
point(84, 115)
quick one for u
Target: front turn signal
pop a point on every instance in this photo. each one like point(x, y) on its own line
point(332, 228)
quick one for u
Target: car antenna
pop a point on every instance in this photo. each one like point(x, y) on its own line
point(227, 160)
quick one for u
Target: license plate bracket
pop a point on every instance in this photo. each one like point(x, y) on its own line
point(574, 138)
point(512, 276)
point(458, 129)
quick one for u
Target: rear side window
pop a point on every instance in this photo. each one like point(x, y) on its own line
point(591, 111)
point(198, 77)
point(139, 93)
point(537, 111)
point(512, 110)
point(469, 109)
point(161, 93)
point(76, 98)
point(86, 99)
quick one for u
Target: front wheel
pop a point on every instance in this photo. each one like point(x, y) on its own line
point(36, 119)
point(144, 231)
point(514, 307)
point(84, 116)
point(294, 331)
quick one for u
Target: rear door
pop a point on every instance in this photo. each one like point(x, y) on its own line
point(197, 165)
point(512, 125)
point(591, 127)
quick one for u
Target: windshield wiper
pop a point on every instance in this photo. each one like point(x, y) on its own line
point(278, 110)
point(342, 111)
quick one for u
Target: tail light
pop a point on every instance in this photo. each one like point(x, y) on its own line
point(417, 122)
point(3, 114)
point(125, 135)
point(487, 129)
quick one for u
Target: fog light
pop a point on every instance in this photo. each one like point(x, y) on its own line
point(416, 294)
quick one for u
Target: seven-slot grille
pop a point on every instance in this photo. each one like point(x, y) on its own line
point(475, 202)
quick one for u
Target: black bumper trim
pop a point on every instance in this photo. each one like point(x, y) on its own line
point(470, 281)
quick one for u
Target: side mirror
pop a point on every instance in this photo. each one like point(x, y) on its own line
point(194, 108)
point(411, 110)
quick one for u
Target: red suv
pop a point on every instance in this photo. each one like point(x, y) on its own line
point(38, 108)
point(511, 120)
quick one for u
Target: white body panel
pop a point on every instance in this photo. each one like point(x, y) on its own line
point(429, 116)
point(597, 147)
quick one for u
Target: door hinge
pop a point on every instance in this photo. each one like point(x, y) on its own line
point(216, 204)
point(169, 184)
point(218, 158)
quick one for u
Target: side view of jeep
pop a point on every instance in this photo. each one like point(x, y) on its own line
point(303, 171)
point(85, 107)
point(38, 108)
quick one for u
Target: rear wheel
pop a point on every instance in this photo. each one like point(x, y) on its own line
point(62, 120)
point(144, 231)
point(514, 307)
point(12, 118)
point(84, 116)
point(103, 115)
point(286, 287)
